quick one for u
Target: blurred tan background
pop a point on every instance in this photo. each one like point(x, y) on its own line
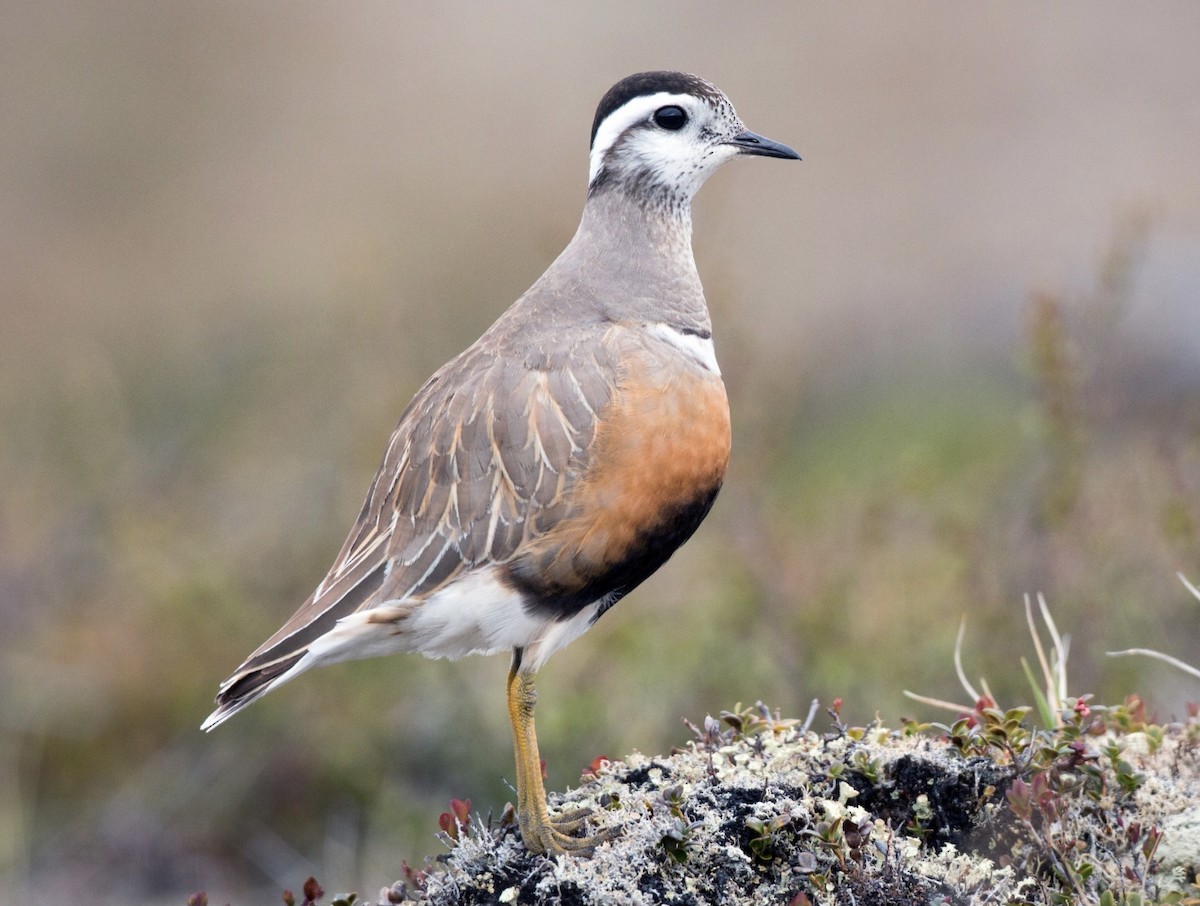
point(962, 341)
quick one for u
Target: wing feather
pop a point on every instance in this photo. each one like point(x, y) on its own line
point(467, 478)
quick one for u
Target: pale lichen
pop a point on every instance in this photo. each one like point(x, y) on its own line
point(758, 810)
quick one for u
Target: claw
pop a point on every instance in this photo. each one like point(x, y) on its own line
point(570, 822)
point(555, 835)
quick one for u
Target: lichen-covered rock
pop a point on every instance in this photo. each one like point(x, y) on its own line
point(756, 810)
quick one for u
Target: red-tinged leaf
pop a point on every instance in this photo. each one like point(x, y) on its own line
point(595, 765)
point(412, 875)
point(447, 823)
point(982, 704)
point(461, 809)
point(199, 898)
point(312, 891)
point(1020, 799)
point(1150, 844)
point(289, 898)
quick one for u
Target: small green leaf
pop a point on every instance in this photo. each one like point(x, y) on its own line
point(1045, 712)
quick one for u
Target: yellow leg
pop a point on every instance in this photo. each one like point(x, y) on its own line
point(540, 833)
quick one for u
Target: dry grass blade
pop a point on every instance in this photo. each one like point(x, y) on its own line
point(1158, 655)
point(1189, 586)
point(938, 702)
point(1053, 674)
point(958, 667)
point(1061, 649)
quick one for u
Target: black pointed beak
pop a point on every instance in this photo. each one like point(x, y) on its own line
point(752, 143)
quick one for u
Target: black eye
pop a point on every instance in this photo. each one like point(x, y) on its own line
point(670, 118)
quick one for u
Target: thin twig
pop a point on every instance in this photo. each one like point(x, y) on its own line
point(812, 713)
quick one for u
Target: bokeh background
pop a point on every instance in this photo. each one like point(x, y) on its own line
point(962, 342)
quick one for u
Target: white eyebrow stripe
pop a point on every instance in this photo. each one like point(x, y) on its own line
point(699, 348)
point(635, 110)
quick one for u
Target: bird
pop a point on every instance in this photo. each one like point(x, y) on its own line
point(547, 470)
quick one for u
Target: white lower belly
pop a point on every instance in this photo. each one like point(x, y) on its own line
point(478, 614)
point(481, 614)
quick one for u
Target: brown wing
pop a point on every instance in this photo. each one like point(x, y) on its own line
point(482, 461)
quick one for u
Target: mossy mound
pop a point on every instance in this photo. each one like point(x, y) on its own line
point(758, 810)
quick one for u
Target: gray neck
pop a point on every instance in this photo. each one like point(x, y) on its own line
point(629, 261)
point(638, 230)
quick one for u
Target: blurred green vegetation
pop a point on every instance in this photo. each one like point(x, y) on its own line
point(235, 243)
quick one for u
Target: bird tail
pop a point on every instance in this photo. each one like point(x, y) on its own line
point(246, 686)
point(362, 634)
point(305, 640)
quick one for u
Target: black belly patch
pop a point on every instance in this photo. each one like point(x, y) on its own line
point(651, 550)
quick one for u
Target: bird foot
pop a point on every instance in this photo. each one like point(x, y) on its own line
point(556, 836)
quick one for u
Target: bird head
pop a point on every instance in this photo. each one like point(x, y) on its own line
point(659, 135)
